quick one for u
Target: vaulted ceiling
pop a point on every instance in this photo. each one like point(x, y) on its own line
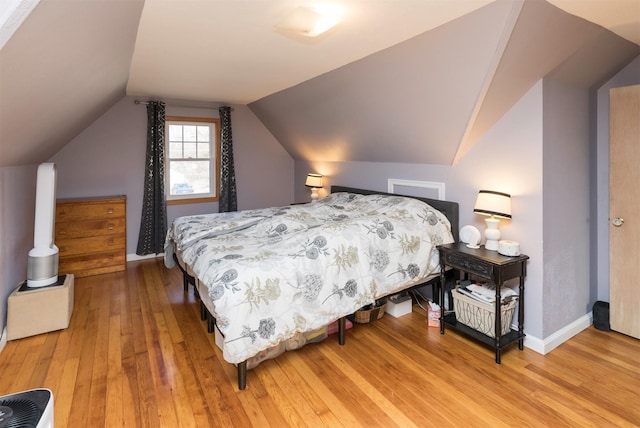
point(443, 71)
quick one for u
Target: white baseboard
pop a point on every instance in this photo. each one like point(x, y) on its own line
point(135, 257)
point(559, 337)
point(3, 339)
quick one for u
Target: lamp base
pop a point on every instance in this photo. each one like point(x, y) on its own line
point(314, 194)
point(491, 245)
point(492, 233)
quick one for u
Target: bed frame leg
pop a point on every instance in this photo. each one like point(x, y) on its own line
point(342, 323)
point(211, 324)
point(186, 278)
point(242, 375)
point(203, 311)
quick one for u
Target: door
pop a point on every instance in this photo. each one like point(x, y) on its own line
point(624, 210)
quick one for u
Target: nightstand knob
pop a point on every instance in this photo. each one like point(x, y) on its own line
point(618, 221)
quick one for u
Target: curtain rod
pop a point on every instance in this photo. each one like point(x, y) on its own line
point(179, 105)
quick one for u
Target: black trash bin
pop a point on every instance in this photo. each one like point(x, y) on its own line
point(601, 315)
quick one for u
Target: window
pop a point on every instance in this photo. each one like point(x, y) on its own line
point(192, 151)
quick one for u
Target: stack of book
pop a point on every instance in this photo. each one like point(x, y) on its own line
point(486, 293)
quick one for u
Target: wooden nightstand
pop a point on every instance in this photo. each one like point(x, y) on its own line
point(496, 268)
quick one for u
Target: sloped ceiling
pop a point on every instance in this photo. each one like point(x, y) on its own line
point(408, 103)
point(442, 70)
point(63, 67)
point(548, 42)
point(429, 99)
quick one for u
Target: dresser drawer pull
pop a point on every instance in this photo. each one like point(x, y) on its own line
point(110, 226)
point(110, 242)
point(62, 232)
point(110, 211)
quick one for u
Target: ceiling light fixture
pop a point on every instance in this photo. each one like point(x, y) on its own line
point(311, 21)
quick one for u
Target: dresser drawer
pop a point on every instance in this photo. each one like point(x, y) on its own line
point(92, 261)
point(81, 229)
point(102, 209)
point(93, 264)
point(91, 244)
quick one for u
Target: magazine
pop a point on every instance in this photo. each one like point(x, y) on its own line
point(487, 292)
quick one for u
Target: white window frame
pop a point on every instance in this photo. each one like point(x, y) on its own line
point(214, 159)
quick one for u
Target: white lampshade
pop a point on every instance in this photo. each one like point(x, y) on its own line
point(493, 204)
point(314, 180)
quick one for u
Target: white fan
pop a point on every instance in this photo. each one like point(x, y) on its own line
point(33, 408)
point(42, 265)
point(471, 236)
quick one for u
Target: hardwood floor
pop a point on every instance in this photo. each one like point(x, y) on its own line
point(136, 354)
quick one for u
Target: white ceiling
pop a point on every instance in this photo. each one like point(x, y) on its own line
point(620, 16)
point(66, 62)
point(231, 51)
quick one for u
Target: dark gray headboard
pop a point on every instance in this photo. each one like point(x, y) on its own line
point(449, 209)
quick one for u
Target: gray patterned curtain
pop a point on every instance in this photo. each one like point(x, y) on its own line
point(228, 200)
point(153, 225)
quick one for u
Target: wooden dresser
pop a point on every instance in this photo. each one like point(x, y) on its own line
point(91, 235)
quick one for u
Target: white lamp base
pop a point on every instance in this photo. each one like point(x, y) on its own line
point(314, 194)
point(492, 233)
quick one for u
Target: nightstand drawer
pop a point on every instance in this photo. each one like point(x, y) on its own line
point(469, 265)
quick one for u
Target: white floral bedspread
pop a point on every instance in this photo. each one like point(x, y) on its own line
point(274, 272)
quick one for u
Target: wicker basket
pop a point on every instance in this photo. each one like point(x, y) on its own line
point(480, 316)
point(375, 312)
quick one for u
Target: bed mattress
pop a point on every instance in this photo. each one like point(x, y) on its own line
point(267, 275)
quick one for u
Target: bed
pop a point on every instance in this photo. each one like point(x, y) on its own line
point(273, 279)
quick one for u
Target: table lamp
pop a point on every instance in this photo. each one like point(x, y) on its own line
point(495, 205)
point(314, 181)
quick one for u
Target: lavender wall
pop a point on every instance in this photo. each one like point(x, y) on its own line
point(566, 205)
point(108, 158)
point(17, 214)
point(507, 158)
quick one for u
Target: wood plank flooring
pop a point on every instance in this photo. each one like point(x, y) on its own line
point(137, 355)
